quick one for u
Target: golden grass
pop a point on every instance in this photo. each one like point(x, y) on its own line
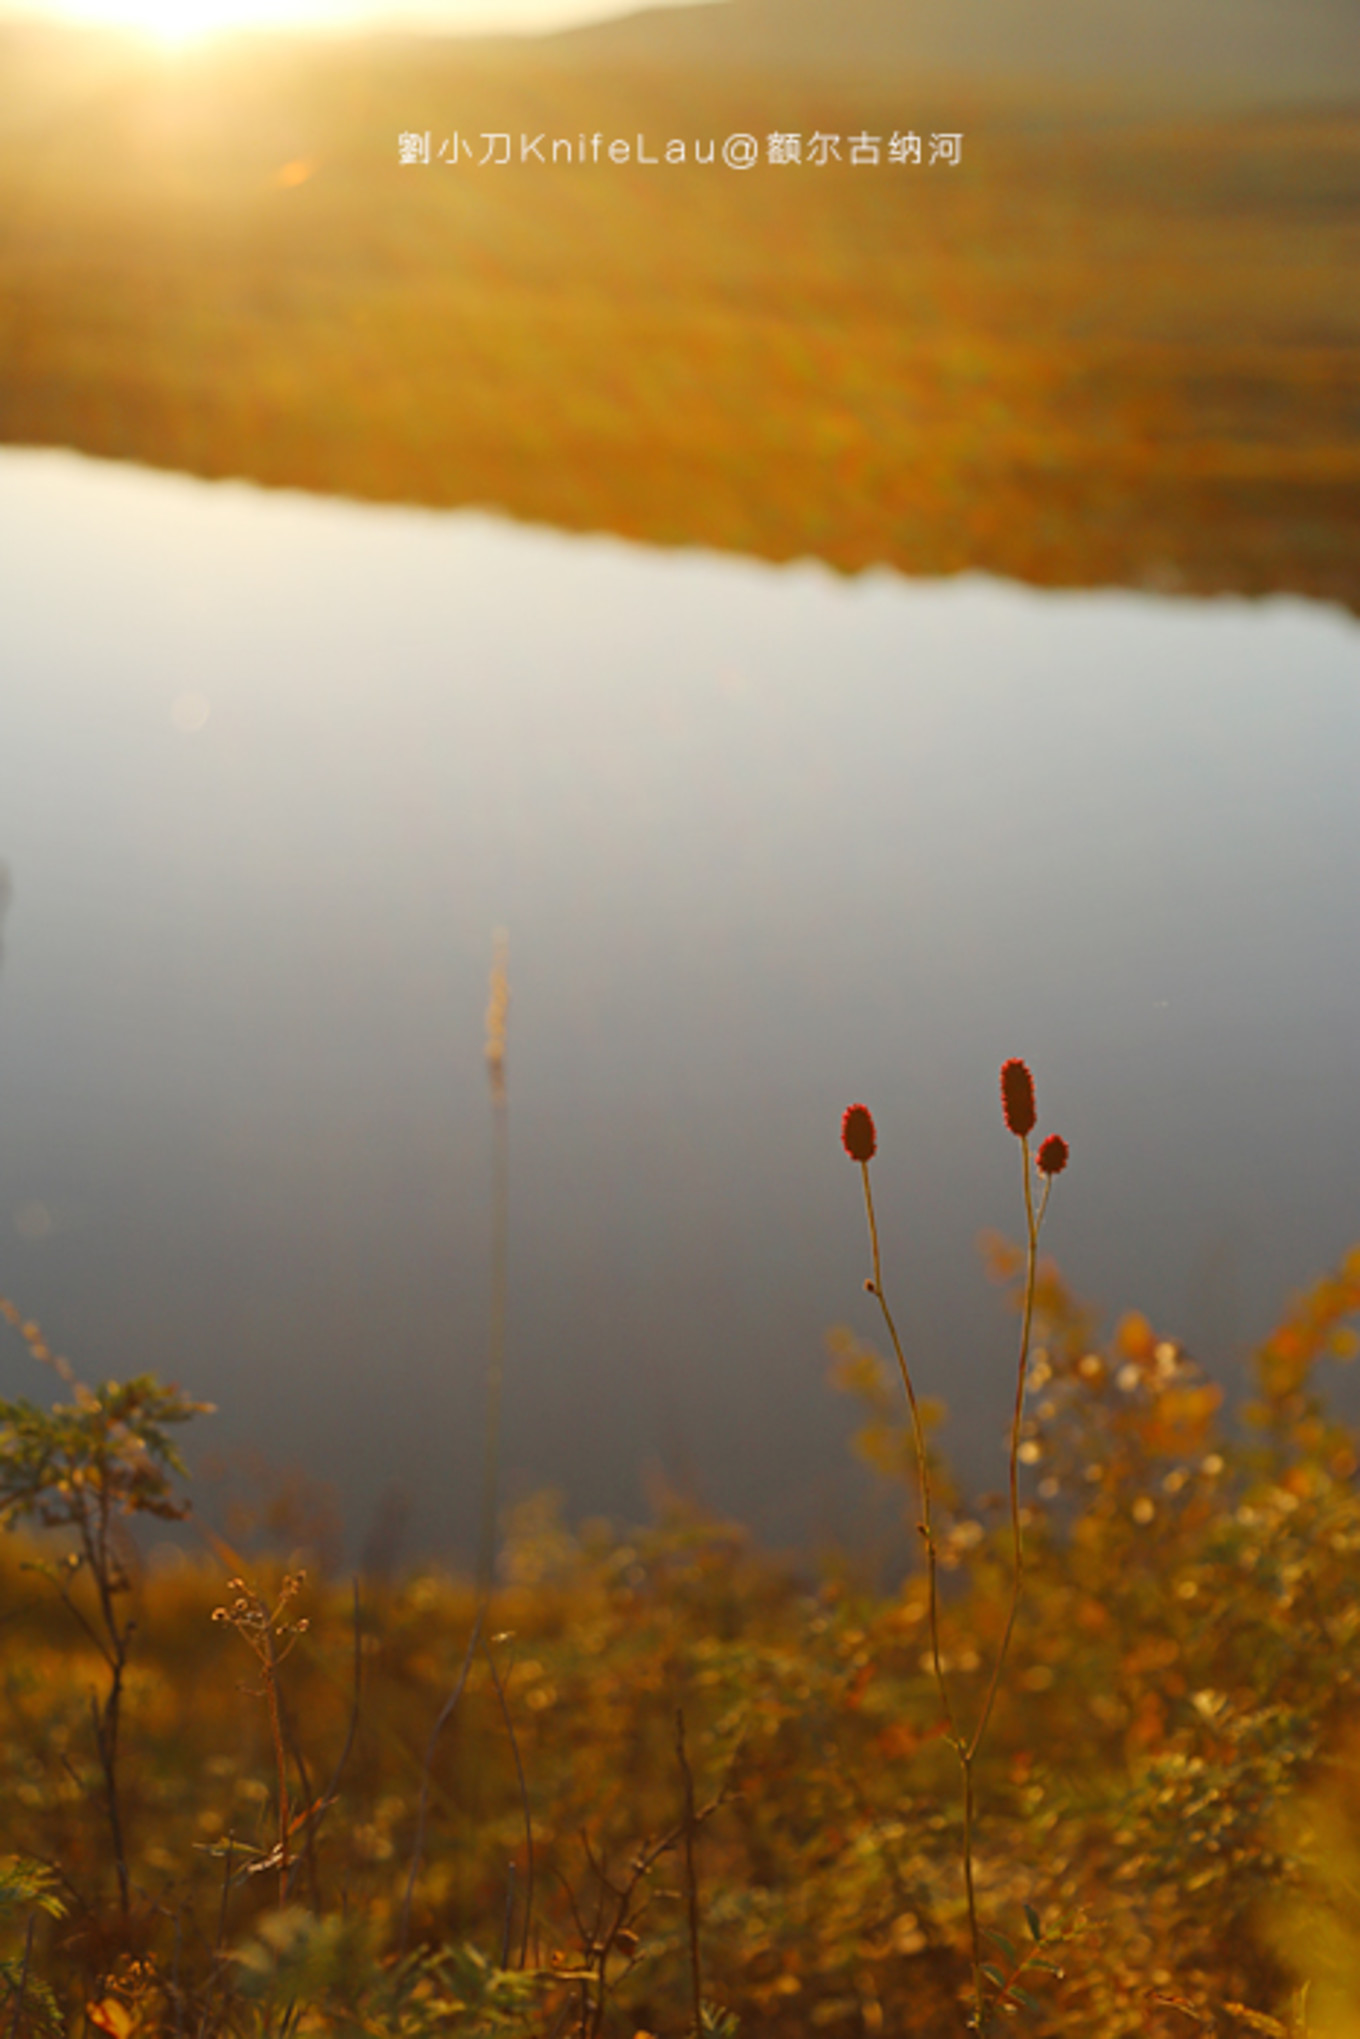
point(1097, 351)
point(1168, 1783)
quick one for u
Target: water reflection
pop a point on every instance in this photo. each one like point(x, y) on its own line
point(765, 841)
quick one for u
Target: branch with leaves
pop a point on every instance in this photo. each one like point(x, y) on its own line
point(85, 1466)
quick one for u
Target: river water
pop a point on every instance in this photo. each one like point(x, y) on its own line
point(766, 841)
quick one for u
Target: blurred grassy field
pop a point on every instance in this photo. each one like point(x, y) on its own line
point(1100, 350)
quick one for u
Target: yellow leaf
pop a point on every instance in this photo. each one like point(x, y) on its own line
point(112, 2017)
point(1135, 1337)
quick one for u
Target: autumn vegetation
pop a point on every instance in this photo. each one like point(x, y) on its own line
point(1112, 345)
point(656, 1781)
point(683, 1787)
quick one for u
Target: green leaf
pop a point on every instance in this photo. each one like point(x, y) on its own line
point(1032, 1921)
point(28, 1883)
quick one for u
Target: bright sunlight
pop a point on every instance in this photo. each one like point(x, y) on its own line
point(181, 21)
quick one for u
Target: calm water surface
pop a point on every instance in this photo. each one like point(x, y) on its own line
point(766, 841)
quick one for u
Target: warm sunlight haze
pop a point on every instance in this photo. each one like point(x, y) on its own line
point(180, 20)
point(177, 21)
point(679, 1169)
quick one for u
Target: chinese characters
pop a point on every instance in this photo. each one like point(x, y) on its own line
point(817, 151)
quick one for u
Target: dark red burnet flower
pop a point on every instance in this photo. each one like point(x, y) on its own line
point(1052, 1156)
point(1017, 1097)
point(857, 1133)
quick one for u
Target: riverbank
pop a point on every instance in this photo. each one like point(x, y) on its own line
point(1097, 349)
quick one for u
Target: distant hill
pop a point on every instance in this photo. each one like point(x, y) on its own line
point(1098, 350)
point(1231, 52)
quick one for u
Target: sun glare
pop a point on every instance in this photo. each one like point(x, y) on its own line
point(179, 21)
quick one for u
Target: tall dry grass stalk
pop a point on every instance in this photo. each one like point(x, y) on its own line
point(497, 1023)
point(497, 1027)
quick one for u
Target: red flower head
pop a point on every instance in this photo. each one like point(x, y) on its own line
point(1051, 1158)
point(1017, 1097)
point(857, 1133)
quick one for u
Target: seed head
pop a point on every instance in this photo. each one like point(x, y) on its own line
point(497, 1016)
point(857, 1133)
point(1051, 1158)
point(1017, 1097)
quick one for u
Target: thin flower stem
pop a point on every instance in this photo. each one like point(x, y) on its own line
point(271, 1693)
point(859, 1140)
point(970, 1890)
point(506, 1716)
point(922, 1463)
point(1033, 1222)
point(927, 1528)
point(495, 1362)
point(967, 1750)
